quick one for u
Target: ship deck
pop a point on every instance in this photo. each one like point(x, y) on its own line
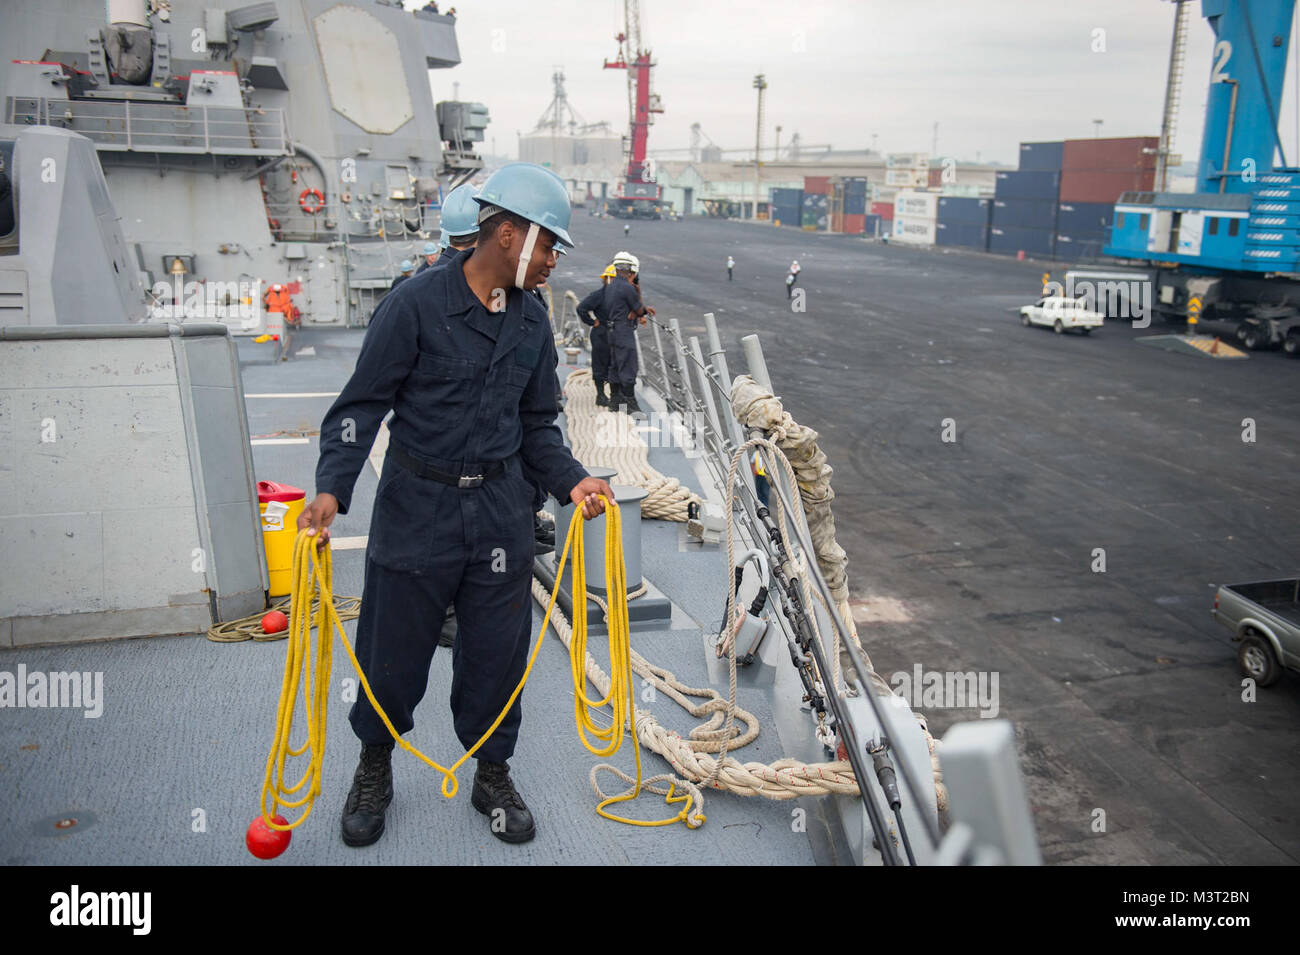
point(974, 555)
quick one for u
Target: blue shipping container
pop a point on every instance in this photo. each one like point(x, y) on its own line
point(789, 214)
point(964, 235)
point(1024, 213)
point(962, 210)
point(1073, 217)
point(1033, 242)
point(855, 205)
point(1028, 185)
point(1044, 157)
point(873, 227)
point(1080, 246)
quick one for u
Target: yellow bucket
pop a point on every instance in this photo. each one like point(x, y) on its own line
point(280, 505)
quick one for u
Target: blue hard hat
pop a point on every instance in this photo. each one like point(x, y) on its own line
point(407, 265)
point(532, 192)
point(460, 212)
point(430, 248)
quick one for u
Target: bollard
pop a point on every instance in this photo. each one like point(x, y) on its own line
point(593, 541)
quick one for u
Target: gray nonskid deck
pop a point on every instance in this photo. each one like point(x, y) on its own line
point(181, 745)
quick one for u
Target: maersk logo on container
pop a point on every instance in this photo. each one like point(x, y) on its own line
point(919, 205)
point(1113, 294)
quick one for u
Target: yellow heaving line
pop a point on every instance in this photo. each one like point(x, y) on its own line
point(313, 583)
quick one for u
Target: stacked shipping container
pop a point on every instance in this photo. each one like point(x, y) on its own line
point(914, 217)
point(1094, 174)
point(963, 222)
point(787, 206)
point(1024, 203)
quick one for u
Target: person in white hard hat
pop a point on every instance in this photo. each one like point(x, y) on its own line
point(624, 310)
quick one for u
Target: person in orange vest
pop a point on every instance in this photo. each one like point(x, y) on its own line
point(277, 299)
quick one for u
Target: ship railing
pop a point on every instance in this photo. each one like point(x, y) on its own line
point(135, 126)
point(696, 387)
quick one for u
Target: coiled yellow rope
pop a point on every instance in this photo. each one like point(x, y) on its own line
point(312, 588)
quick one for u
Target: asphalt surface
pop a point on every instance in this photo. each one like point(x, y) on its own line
point(1136, 743)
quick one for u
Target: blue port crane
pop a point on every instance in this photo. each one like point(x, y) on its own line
point(1230, 251)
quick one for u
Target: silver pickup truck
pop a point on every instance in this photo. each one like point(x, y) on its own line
point(1265, 618)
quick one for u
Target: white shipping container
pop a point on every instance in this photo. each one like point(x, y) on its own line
point(883, 193)
point(906, 178)
point(913, 230)
point(916, 205)
point(907, 161)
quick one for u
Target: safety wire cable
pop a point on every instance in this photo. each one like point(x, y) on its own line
point(308, 677)
point(805, 541)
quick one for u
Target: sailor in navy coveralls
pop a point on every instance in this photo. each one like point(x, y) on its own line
point(465, 359)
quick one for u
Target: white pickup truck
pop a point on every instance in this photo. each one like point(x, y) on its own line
point(1061, 313)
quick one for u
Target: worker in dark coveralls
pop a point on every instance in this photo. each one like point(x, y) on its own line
point(465, 359)
point(624, 310)
point(591, 311)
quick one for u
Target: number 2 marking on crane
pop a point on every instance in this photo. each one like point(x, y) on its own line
point(1222, 54)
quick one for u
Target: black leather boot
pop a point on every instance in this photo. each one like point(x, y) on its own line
point(496, 797)
point(629, 399)
point(372, 791)
point(602, 400)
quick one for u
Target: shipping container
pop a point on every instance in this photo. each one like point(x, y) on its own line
point(854, 224)
point(788, 214)
point(1083, 217)
point(872, 225)
point(883, 193)
point(916, 205)
point(856, 186)
point(1132, 153)
point(961, 234)
point(960, 210)
point(936, 178)
point(1028, 185)
point(1025, 213)
point(782, 196)
point(907, 161)
point(883, 209)
point(1033, 242)
point(816, 209)
point(1104, 185)
point(906, 178)
point(916, 231)
point(1077, 246)
point(1041, 157)
point(817, 185)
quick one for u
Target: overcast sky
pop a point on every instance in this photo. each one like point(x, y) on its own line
point(991, 73)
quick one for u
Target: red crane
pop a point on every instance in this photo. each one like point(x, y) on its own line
point(639, 194)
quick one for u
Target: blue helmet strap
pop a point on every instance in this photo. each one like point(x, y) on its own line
point(526, 255)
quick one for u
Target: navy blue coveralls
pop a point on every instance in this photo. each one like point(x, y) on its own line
point(591, 310)
point(468, 389)
point(622, 300)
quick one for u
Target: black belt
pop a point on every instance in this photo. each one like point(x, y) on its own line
point(416, 466)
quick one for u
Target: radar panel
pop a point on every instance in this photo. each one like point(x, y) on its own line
point(363, 69)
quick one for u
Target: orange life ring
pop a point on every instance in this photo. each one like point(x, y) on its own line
point(311, 208)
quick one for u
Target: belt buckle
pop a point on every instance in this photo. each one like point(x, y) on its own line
point(471, 480)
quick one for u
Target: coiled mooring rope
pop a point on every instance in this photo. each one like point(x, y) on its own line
point(312, 607)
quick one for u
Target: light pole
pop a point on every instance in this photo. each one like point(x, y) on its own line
point(1097, 129)
point(760, 84)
